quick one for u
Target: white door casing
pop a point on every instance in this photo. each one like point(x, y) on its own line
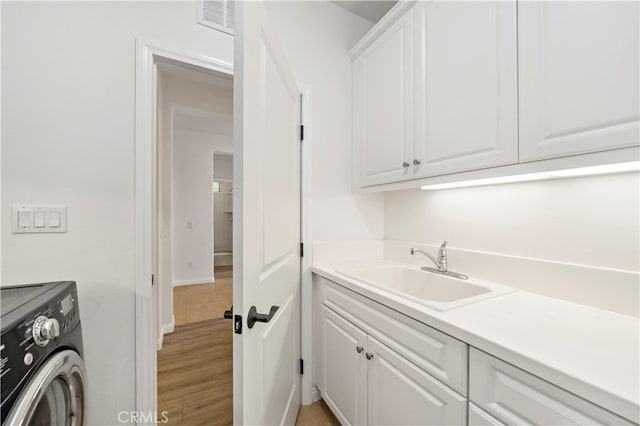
point(267, 226)
point(578, 75)
point(147, 55)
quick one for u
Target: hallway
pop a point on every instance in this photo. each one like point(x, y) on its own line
point(201, 302)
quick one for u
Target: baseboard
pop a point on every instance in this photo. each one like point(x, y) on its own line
point(204, 280)
point(164, 329)
point(168, 328)
point(315, 394)
point(159, 341)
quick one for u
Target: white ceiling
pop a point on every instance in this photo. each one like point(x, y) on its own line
point(367, 9)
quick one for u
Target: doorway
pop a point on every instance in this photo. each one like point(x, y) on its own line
point(222, 215)
point(194, 145)
point(149, 299)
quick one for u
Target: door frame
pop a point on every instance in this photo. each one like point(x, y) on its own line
point(148, 53)
point(306, 277)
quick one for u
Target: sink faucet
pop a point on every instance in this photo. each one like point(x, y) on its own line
point(440, 262)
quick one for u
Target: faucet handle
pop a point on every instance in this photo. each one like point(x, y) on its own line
point(442, 257)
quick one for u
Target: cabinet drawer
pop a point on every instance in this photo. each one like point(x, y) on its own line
point(514, 396)
point(439, 354)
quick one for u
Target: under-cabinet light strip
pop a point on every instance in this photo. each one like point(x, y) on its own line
point(528, 177)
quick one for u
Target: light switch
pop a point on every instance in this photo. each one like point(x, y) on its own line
point(24, 219)
point(39, 219)
point(54, 219)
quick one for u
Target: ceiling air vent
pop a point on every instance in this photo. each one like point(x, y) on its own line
point(216, 14)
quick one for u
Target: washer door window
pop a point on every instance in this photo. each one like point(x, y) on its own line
point(54, 396)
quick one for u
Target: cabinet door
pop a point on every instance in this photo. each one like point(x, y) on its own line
point(383, 106)
point(578, 70)
point(399, 393)
point(466, 86)
point(345, 369)
point(477, 417)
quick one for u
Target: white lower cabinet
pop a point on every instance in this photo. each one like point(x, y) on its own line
point(515, 397)
point(345, 381)
point(366, 382)
point(399, 393)
point(380, 367)
point(477, 417)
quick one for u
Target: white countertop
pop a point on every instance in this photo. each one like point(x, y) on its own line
point(590, 352)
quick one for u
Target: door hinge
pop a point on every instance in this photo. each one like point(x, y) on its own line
point(301, 366)
point(153, 279)
point(237, 324)
point(301, 133)
point(301, 249)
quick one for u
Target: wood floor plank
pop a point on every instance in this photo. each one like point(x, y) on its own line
point(316, 414)
point(195, 368)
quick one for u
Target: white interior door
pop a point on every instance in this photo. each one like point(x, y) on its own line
point(266, 224)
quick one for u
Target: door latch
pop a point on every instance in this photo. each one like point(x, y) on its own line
point(237, 324)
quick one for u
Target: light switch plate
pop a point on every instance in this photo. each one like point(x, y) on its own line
point(29, 219)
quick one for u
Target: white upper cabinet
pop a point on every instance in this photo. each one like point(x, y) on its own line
point(465, 86)
point(383, 96)
point(578, 70)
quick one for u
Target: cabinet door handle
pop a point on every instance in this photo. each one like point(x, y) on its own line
point(369, 355)
point(359, 349)
point(416, 162)
point(405, 164)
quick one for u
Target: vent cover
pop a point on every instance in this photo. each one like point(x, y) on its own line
point(216, 14)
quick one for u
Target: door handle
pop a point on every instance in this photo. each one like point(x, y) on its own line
point(228, 314)
point(254, 316)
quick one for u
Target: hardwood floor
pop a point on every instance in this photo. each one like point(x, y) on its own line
point(316, 414)
point(195, 374)
point(223, 271)
point(195, 365)
point(200, 302)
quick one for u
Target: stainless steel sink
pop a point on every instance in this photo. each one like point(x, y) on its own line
point(433, 290)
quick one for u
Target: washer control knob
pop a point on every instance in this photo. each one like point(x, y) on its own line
point(45, 329)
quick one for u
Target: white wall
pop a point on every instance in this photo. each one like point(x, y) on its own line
point(589, 220)
point(316, 37)
point(192, 207)
point(68, 72)
point(222, 167)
